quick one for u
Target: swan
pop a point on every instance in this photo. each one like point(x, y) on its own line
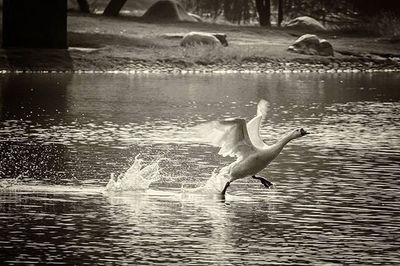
point(243, 141)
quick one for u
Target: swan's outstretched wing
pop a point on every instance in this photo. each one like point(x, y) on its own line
point(253, 126)
point(231, 135)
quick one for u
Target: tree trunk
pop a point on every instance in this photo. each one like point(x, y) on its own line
point(114, 7)
point(264, 12)
point(216, 9)
point(280, 12)
point(84, 6)
point(35, 24)
point(227, 10)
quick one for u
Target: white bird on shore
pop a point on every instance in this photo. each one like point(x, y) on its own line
point(241, 140)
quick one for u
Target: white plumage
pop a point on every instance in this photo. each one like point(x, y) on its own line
point(238, 139)
point(234, 136)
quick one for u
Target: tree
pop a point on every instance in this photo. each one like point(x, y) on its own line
point(280, 12)
point(373, 7)
point(238, 11)
point(35, 24)
point(210, 8)
point(114, 7)
point(84, 6)
point(264, 12)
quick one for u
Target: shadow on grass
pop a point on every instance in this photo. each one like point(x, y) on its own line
point(37, 59)
point(99, 40)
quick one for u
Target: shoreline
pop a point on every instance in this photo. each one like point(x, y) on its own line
point(197, 72)
point(78, 61)
point(150, 68)
point(100, 44)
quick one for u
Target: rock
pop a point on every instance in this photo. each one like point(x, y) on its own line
point(311, 44)
point(304, 24)
point(325, 48)
point(203, 38)
point(221, 37)
point(307, 43)
point(167, 10)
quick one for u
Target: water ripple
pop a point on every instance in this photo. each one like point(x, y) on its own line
point(335, 199)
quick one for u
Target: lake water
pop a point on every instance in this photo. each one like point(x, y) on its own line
point(336, 194)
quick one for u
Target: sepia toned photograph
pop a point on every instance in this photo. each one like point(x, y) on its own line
point(200, 132)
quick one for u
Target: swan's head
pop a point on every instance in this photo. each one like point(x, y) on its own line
point(299, 133)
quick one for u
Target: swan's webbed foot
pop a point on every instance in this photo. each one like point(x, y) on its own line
point(225, 188)
point(264, 181)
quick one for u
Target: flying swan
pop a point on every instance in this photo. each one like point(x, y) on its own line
point(243, 141)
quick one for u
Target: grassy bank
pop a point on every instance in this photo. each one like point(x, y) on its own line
point(126, 43)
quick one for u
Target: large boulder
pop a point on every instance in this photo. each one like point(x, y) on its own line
point(304, 24)
point(203, 38)
point(167, 10)
point(325, 48)
point(311, 44)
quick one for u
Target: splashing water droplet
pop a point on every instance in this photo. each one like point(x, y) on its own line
point(214, 184)
point(135, 178)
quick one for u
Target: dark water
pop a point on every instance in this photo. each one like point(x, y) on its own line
point(336, 200)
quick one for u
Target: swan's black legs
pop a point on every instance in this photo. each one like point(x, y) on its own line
point(225, 188)
point(264, 181)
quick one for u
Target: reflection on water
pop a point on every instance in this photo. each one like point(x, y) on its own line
point(336, 194)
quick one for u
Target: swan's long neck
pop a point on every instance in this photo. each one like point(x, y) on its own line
point(274, 150)
point(282, 142)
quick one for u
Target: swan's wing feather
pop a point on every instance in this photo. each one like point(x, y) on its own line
point(230, 135)
point(262, 108)
point(253, 126)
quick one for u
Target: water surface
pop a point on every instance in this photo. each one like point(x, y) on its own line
point(335, 199)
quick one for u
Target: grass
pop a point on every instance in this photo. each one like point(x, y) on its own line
point(120, 43)
point(87, 40)
point(233, 54)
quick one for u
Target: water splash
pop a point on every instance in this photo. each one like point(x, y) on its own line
point(214, 185)
point(9, 182)
point(139, 178)
point(136, 177)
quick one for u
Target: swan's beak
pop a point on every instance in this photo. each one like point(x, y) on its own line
point(303, 132)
